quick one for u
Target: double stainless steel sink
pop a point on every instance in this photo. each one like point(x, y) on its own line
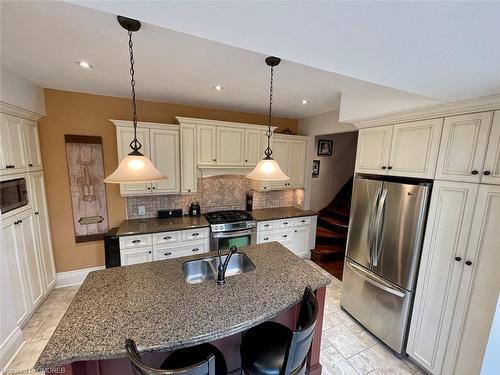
point(200, 270)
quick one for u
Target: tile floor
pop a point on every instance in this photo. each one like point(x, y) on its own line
point(347, 348)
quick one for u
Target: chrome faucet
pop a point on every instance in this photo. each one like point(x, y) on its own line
point(221, 269)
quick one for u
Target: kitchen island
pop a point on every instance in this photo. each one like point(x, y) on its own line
point(152, 304)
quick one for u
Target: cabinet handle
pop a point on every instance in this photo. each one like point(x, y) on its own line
point(295, 230)
point(195, 249)
point(215, 159)
point(265, 187)
point(486, 173)
point(302, 221)
point(468, 262)
point(154, 187)
point(167, 237)
point(458, 259)
point(136, 241)
point(474, 172)
point(195, 234)
point(189, 190)
point(149, 252)
point(149, 187)
point(30, 165)
point(20, 221)
point(246, 161)
point(384, 167)
point(167, 253)
point(285, 223)
point(36, 212)
point(266, 225)
point(389, 167)
point(285, 236)
point(266, 239)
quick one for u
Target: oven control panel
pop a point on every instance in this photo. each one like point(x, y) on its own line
point(229, 227)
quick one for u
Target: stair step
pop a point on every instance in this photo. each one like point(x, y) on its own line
point(340, 209)
point(327, 233)
point(334, 223)
point(324, 252)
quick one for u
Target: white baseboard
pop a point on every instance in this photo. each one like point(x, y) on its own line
point(75, 277)
point(10, 347)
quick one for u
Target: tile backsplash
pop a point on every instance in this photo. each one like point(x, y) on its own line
point(227, 192)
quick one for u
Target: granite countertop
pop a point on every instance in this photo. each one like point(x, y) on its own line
point(152, 304)
point(142, 226)
point(264, 214)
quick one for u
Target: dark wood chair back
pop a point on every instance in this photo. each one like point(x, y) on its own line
point(302, 335)
point(206, 367)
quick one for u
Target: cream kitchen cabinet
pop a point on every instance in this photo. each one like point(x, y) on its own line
point(463, 147)
point(406, 150)
point(160, 143)
point(42, 226)
point(290, 153)
point(206, 145)
point(491, 168)
point(13, 155)
point(254, 151)
point(33, 146)
point(231, 151)
point(136, 256)
point(188, 159)
point(458, 282)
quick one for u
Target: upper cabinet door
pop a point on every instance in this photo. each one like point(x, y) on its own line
point(188, 159)
point(124, 137)
point(297, 163)
point(4, 146)
point(463, 146)
point(253, 152)
point(281, 153)
point(16, 156)
point(491, 170)
point(374, 147)
point(414, 148)
point(206, 144)
point(164, 146)
point(230, 146)
point(33, 146)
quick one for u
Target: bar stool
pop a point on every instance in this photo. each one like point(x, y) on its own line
point(273, 349)
point(202, 359)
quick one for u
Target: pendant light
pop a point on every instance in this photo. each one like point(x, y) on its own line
point(268, 169)
point(135, 167)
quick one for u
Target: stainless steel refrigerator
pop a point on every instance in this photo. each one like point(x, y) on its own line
point(382, 257)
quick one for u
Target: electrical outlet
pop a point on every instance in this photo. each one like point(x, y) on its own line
point(142, 210)
point(299, 201)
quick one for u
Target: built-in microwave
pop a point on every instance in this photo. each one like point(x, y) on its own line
point(13, 194)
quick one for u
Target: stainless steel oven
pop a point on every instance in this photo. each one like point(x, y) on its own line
point(13, 194)
point(231, 228)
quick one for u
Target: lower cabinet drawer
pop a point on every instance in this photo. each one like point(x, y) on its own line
point(169, 252)
point(130, 242)
point(285, 223)
point(136, 256)
point(266, 225)
point(280, 236)
point(302, 220)
point(166, 238)
point(195, 234)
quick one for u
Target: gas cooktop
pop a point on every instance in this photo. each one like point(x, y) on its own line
point(223, 217)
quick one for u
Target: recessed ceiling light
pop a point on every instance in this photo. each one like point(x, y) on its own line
point(84, 64)
point(304, 101)
point(218, 87)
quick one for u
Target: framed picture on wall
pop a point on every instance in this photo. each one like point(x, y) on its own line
point(325, 147)
point(315, 173)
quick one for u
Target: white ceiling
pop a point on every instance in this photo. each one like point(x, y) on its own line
point(446, 50)
point(42, 41)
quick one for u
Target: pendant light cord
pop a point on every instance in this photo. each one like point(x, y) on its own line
point(269, 132)
point(135, 144)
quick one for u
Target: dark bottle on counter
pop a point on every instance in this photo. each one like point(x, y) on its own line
point(249, 201)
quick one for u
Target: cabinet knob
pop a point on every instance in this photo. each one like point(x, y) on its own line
point(149, 252)
point(215, 159)
point(154, 187)
point(486, 173)
point(458, 259)
point(468, 262)
point(389, 167)
point(474, 172)
point(149, 187)
point(384, 167)
point(246, 161)
point(167, 253)
point(189, 190)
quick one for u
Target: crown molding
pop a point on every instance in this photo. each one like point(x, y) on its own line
point(13, 110)
point(145, 125)
point(201, 121)
point(485, 103)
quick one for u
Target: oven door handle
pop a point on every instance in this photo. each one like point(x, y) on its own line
point(233, 234)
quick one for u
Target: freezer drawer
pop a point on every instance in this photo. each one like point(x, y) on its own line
point(382, 307)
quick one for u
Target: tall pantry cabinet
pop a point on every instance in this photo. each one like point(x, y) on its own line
point(27, 244)
point(459, 278)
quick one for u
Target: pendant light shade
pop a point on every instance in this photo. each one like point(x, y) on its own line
point(268, 169)
point(135, 168)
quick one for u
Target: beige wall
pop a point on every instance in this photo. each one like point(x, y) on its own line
point(334, 170)
point(85, 114)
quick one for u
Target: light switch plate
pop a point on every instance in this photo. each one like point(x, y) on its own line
point(142, 210)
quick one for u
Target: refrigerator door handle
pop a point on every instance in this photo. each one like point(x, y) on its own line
point(378, 226)
point(374, 280)
point(372, 226)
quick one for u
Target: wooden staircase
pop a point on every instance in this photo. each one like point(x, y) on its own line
point(331, 232)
